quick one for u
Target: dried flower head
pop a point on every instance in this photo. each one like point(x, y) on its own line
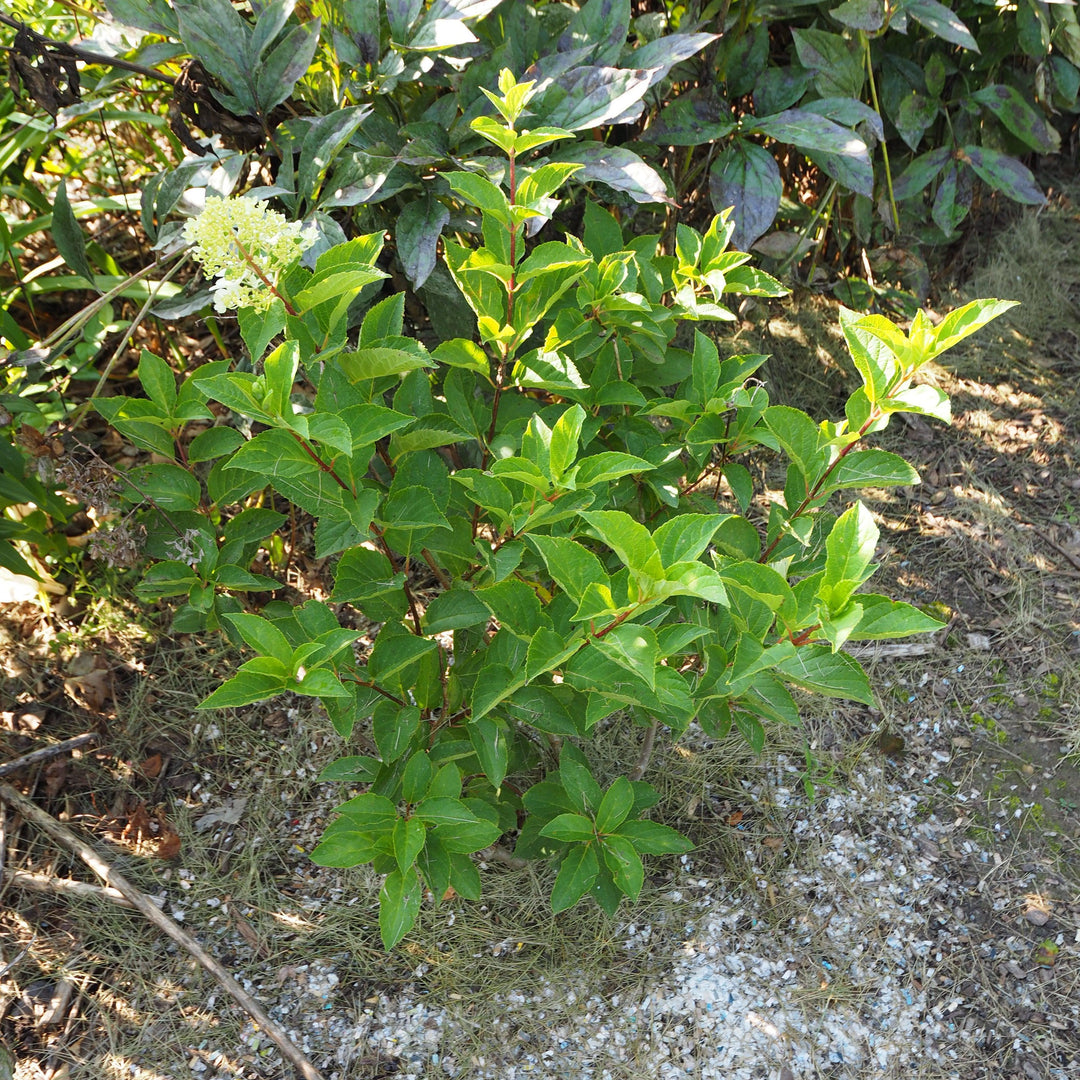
point(245, 246)
point(119, 544)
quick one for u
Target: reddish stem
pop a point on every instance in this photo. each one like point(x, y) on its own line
point(328, 469)
point(263, 278)
point(813, 493)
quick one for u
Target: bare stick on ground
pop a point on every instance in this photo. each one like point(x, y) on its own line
point(59, 886)
point(139, 900)
point(47, 752)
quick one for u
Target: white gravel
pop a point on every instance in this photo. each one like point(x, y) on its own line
point(893, 904)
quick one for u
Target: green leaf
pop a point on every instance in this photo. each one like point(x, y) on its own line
point(547, 650)
point(874, 358)
point(377, 362)
point(606, 466)
point(576, 875)
point(369, 423)
point(542, 708)
point(410, 509)
point(399, 905)
point(68, 237)
point(462, 353)
point(279, 372)
point(569, 829)
point(572, 565)
point(213, 443)
point(488, 738)
point(651, 838)
point(577, 779)
point(393, 728)
point(169, 487)
point(799, 436)
point(229, 576)
point(244, 688)
point(364, 577)
point(480, 192)
point(685, 537)
point(369, 810)
point(706, 367)
point(416, 778)
point(836, 674)
point(870, 468)
point(158, 381)
point(445, 810)
point(926, 400)
point(751, 730)
point(263, 636)
point(408, 840)
point(741, 483)
point(615, 806)
point(455, 609)
point(564, 441)
point(883, 618)
point(346, 844)
point(632, 647)
point(320, 683)
point(761, 583)
point(356, 769)
point(466, 837)
point(629, 539)
point(514, 604)
point(624, 863)
point(259, 328)
point(849, 549)
point(964, 321)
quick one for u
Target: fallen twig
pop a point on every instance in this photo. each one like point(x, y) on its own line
point(47, 883)
point(1064, 552)
point(140, 901)
point(893, 650)
point(47, 752)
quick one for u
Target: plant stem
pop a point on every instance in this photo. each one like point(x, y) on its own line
point(128, 334)
point(638, 771)
point(812, 494)
point(405, 584)
point(379, 690)
point(261, 275)
point(884, 146)
point(328, 469)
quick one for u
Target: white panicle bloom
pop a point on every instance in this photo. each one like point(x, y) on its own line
point(232, 238)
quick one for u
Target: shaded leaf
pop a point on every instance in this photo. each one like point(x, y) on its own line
point(746, 178)
point(620, 169)
point(419, 226)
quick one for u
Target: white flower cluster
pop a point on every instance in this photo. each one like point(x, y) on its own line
point(245, 246)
